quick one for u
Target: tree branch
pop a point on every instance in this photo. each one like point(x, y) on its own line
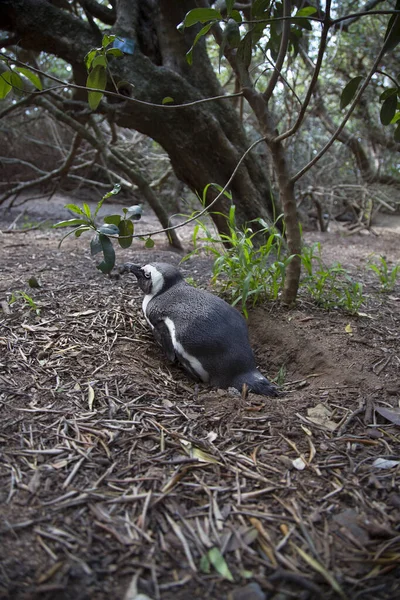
point(347, 116)
point(281, 54)
point(47, 177)
point(314, 79)
point(99, 11)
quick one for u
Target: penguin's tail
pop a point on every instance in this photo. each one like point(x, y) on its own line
point(257, 384)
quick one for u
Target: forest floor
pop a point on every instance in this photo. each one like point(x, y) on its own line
point(120, 476)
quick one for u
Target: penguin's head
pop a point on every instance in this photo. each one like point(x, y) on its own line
point(156, 277)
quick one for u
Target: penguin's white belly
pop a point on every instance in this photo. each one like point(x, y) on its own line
point(195, 364)
point(146, 300)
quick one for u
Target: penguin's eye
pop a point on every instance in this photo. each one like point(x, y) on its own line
point(147, 275)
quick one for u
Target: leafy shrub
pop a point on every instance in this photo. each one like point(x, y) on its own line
point(329, 287)
point(244, 270)
point(387, 276)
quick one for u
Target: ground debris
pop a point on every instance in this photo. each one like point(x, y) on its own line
point(123, 479)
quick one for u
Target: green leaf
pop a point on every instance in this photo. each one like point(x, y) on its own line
point(388, 109)
point(201, 15)
point(167, 100)
point(14, 80)
point(89, 58)
point(95, 245)
point(229, 6)
point(237, 16)
point(74, 208)
point(116, 189)
point(392, 35)
point(134, 212)
point(108, 229)
point(97, 78)
point(33, 78)
point(218, 562)
point(350, 91)
point(149, 243)
point(205, 564)
point(258, 8)
point(70, 223)
point(107, 39)
point(113, 219)
point(80, 230)
point(388, 92)
point(5, 87)
point(86, 210)
point(33, 282)
point(125, 229)
point(116, 52)
point(203, 31)
point(307, 11)
point(94, 99)
point(304, 23)
point(99, 60)
point(106, 266)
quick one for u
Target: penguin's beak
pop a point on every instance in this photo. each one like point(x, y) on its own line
point(143, 280)
point(132, 268)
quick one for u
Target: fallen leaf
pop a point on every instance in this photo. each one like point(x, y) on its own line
point(34, 482)
point(348, 519)
point(194, 452)
point(383, 463)
point(306, 430)
point(299, 464)
point(321, 569)
point(348, 328)
point(90, 397)
point(391, 414)
point(83, 313)
point(320, 415)
point(218, 562)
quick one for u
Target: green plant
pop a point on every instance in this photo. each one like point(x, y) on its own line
point(281, 376)
point(28, 301)
point(115, 226)
point(96, 62)
point(243, 269)
point(329, 287)
point(387, 276)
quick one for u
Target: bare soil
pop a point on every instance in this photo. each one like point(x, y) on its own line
point(120, 474)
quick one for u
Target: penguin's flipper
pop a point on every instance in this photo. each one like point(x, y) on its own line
point(163, 337)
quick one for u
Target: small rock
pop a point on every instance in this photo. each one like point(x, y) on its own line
point(394, 500)
point(251, 591)
point(374, 434)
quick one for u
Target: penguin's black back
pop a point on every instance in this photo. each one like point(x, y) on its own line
point(208, 328)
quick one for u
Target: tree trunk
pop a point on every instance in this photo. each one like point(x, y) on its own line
point(286, 193)
point(204, 141)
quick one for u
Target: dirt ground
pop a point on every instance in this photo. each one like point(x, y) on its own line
point(121, 477)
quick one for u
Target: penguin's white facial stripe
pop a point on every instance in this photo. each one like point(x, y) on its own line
point(157, 280)
point(180, 351)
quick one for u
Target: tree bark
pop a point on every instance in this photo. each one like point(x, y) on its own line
point(286, 193)
point(204, 142)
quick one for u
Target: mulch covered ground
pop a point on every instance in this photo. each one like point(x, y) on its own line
point(119, 476)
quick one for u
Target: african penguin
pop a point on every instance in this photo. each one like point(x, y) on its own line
point(204, 333)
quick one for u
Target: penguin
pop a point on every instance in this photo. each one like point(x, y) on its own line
point(206, 335)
